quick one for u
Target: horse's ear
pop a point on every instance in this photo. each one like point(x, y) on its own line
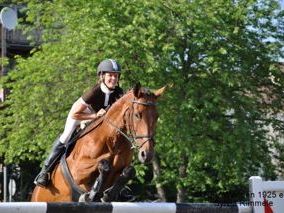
point(160, 91)
point(136, 89)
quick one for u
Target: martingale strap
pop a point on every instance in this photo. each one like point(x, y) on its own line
point(76, 190)
point(129, 139)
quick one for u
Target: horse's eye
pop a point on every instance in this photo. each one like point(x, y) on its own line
point(138, 116)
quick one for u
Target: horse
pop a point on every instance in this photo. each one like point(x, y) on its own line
point(99, 165)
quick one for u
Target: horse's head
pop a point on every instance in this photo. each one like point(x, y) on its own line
point(142, 121)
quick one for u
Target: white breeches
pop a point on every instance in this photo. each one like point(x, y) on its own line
point(70, 125)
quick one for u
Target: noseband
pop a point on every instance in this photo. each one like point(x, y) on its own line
point(131, 136)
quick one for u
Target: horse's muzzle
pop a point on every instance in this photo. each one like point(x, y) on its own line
point(145, 156)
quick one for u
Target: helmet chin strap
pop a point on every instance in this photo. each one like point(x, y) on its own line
point(107, 86)
point(103, 81)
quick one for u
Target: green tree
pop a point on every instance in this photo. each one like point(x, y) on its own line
point(215, 120)
point(211, 133)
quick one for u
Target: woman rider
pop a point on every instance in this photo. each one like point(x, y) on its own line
point(89, 106)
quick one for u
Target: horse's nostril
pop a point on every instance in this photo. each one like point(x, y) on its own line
point(143, 154)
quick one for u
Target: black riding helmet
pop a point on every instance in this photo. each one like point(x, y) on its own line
point(108, 65)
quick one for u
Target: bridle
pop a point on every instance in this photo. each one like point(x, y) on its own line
point(131, 133)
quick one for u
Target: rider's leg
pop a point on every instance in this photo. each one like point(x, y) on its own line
point(58, 149)
point(43, 178)
point(70, 125)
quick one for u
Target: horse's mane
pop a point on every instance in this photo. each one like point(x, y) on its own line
point(145, 92)
point(121, 100)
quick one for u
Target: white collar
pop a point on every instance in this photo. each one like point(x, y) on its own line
point(105, 89)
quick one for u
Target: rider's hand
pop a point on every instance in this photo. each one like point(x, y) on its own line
point(101, 112)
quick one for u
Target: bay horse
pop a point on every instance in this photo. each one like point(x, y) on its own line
point(98, 166)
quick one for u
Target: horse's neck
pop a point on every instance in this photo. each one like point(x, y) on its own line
point(114, 118)
point(116, 112)
point(107, 130)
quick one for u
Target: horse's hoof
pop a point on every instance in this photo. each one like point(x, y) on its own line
point(106, 198)
point(129, 172)
point(103, 201)
point(126, 195)
point(84, 198)
point(104, 166)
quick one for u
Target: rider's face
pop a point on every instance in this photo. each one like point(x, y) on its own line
point(111, 79)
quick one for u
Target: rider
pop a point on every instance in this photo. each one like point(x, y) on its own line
point(89, 106)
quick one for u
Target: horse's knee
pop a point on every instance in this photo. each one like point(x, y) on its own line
point(129, 172)
point(104, 166)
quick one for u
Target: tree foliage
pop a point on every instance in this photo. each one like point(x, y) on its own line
point(219, 56)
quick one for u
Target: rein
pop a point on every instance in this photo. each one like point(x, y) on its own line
point(133, 137)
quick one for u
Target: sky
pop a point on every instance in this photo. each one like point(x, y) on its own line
point(282, 6)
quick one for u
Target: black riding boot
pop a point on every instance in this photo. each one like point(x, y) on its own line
point(43, 177)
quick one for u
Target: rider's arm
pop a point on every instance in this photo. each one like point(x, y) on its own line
point(78, 111)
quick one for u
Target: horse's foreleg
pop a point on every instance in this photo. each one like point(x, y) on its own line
point(112, 193)
point(104, 168)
